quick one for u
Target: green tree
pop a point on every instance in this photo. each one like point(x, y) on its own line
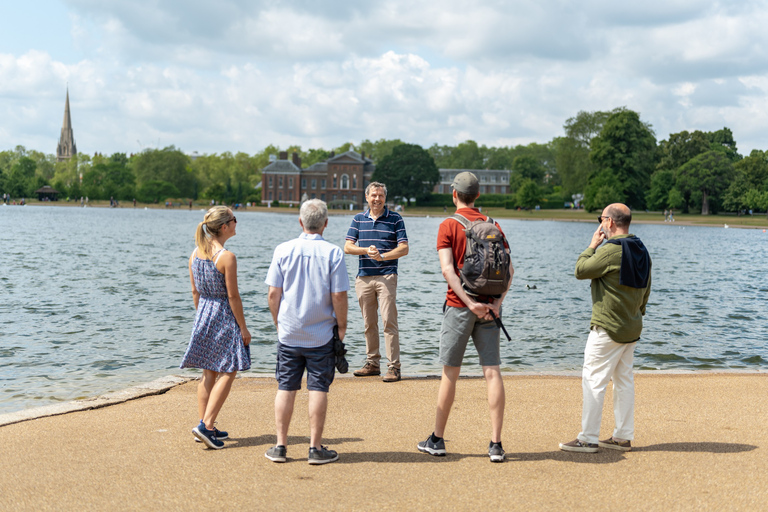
point(626, 148)
point(379, 149)
point(708, 173)
point(527, 167)
point(409, 172)
point(604, 188)
point(572, 151)
point(681, 147)
point(467, 156)
point(662, 182)
point(528, 194)
point(156, 191)
point(750, 173)
point(169, 165)
point(21, 180)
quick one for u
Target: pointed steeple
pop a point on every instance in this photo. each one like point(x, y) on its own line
point(66, 148)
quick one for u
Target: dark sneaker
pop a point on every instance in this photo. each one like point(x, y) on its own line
point(433, 448)
point(220, 435)
point(322, 456)
point(496, 452)
point(612, 444)
point(276, 453)
point(368, 370)
point(578, 446)
point(393, 375)
point(207, 436)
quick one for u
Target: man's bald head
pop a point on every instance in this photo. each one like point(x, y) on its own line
point(620, 214)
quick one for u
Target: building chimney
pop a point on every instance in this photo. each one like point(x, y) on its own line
point(296, 160)
point(362, 155)
point(333, 154)
point(283, 155)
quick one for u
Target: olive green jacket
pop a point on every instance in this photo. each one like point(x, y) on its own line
point(616, 308)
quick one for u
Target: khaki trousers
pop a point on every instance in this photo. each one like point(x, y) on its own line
point(379, 293)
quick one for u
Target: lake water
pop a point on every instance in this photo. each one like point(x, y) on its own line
point(94, 300)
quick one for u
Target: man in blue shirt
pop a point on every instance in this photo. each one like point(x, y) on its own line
point(308, 286)
point(378, 237)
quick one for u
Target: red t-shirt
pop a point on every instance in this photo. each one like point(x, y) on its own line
point(451, 235)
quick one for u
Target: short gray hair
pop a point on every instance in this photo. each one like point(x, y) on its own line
point(375, 184)
point(313, 214)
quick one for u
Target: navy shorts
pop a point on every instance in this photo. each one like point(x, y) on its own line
point(320, 363)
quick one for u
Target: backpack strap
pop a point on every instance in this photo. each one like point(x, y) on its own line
point(461, 219)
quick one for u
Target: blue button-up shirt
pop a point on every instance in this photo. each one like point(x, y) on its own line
point(385, 233)
point(308, 269)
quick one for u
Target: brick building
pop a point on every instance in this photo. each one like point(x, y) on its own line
point(491, 181)
point(340, 181)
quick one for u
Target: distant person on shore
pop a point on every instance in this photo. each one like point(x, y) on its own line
point(378, 237)
point(220, 340)
point(671, 216)
point(621, 283)
point(666, 215)
point(465, 316)
point(308, 286)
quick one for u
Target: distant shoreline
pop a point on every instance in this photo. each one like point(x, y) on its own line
point(731, 220)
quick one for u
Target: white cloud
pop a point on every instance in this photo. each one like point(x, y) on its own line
point(238, 75)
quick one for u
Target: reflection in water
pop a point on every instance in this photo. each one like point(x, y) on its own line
point(95, 300)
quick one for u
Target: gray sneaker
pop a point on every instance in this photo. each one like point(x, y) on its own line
point(322, 456)
point(496, 452)
point(276, 453)
point(433, 448)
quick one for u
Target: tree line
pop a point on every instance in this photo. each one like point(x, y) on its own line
point(603, 157)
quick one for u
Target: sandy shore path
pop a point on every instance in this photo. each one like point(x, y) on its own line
point(701, 444)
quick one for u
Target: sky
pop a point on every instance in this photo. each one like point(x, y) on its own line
point(238, 75)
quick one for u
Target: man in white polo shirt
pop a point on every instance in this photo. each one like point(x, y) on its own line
point(308, 286)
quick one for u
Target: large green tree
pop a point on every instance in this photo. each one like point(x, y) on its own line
point(626, 150)
point(572, 151)
point(528, 194)
point(409, 172)
point(170, 165)
point(708, 174)
point(750, 179)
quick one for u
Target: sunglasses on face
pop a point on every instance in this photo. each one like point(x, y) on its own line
point(233, 219)
point(600, 219)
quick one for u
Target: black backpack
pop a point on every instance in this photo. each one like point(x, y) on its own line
point(486, 260)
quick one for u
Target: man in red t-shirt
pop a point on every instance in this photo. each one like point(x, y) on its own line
point(466, 316)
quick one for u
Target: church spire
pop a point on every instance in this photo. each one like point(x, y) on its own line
point(66, 148)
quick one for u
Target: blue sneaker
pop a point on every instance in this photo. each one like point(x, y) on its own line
point(433, 448)
point(208, 437)
point(220, 435)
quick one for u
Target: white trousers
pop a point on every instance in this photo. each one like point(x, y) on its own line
point(606, 360)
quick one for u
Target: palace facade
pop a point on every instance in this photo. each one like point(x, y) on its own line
point(340, 181)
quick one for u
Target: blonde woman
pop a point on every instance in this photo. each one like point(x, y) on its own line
point(220, 339)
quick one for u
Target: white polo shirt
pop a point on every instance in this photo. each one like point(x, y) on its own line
point(308, 269)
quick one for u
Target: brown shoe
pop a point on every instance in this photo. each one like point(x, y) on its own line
point(393, 375)
point(613, 444)
point(368, 370)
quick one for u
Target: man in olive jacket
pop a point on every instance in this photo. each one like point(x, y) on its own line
point(621, 282)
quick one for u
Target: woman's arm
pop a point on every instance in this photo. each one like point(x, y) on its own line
point(227, 265)
point(195, 293)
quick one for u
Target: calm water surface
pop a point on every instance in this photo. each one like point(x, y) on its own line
point(94, 300)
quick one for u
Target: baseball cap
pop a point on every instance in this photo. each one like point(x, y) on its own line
point(466, 183)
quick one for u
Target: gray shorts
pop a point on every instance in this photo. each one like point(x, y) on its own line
point(458, 325)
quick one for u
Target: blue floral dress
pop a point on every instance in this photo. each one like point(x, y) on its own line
point(216, 343)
